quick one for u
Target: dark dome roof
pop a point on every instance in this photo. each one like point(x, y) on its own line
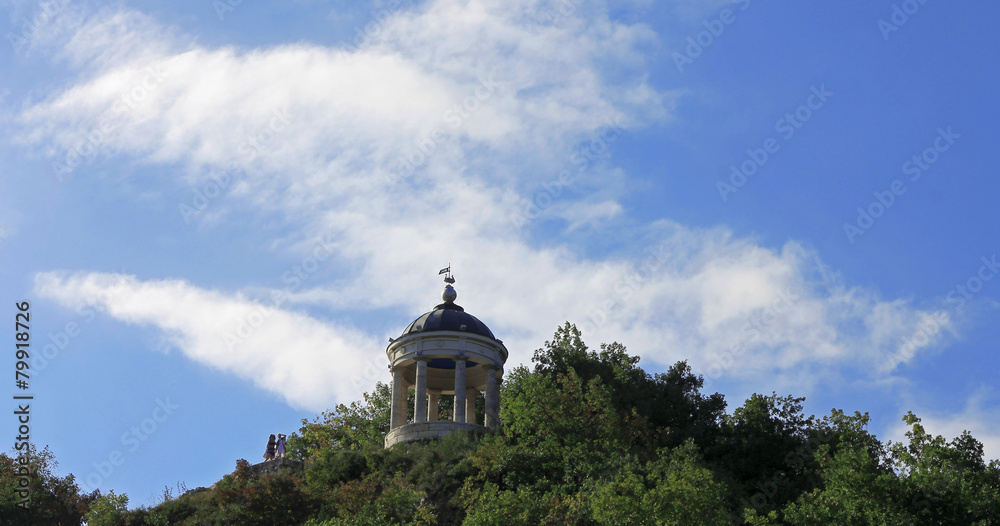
point(448, 317)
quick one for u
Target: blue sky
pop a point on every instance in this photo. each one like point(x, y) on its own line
point(220, 215)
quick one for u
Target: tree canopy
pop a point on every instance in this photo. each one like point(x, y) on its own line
point(587, 438)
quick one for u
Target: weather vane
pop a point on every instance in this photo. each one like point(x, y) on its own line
point(448, 278)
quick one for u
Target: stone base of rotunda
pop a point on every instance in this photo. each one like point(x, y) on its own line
point(429, 431)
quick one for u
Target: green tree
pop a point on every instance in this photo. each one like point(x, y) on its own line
point(765, 452)
point(53, 499)
point(671, 400)
point(556, 432)
point(675, 489)
point(524, 506)
point(359, 426)
point(560, 435)
point(369, 502)
point(587, 438)
point(929, 481)
point(947, 482)
point(330, 467)
point(107, 510)
point(246, 497)
point(855, 490)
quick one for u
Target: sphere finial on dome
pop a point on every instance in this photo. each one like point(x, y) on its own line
point(449, 294)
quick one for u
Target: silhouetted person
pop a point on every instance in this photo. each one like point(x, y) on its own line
point(281, 445)
point(269, 452)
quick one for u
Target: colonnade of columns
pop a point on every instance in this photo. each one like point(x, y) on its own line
point(426, 401)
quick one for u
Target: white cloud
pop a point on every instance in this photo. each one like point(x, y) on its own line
point(370, 106)
point(584, 214)
point(309, 363)
point(512, 97)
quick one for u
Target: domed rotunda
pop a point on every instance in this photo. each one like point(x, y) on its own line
point(445, 351)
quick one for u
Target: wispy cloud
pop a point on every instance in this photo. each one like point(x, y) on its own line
point(304, 361)
point(668, 291)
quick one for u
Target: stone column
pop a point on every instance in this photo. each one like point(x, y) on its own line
point(460, 389)
point(470, 406)
point(398, 413)
point(420, 395)
point(432, 405)
point(492, 419)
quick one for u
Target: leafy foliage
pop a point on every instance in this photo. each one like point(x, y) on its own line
point(667, 401)
point(358, 426)
point(107, 510)
point(245, 497)
point(673, 489)
point(53, 499)
point(588, 438)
